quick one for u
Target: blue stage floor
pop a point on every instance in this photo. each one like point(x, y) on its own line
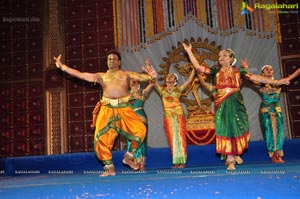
point(77, 176)
point(256, 181)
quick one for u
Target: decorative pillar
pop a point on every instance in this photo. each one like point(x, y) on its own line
point(55, 92)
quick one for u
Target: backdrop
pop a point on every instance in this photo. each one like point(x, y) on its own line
point(258, 50)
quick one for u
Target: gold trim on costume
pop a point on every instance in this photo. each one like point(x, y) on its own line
point(267, 109)
point(223, 93)
point(136, 109)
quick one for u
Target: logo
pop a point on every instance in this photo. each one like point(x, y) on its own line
point(246, 9)
point(281, 8)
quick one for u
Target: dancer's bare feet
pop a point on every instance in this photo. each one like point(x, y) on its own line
point(178, 166)
point(142, 167)
point(129, 160)
point(181, 166)
point(277, 159)
point(238, 159)
point(109, 170)
point(175, 166)
point(230, 163)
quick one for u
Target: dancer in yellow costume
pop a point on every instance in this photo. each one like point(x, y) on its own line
point(174, 118)
point(116, 115)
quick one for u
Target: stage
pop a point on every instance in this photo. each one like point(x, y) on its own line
point(77, 176)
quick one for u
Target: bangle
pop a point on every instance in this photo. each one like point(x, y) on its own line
point(276, 82)
point(63, 68)
point(152, 80)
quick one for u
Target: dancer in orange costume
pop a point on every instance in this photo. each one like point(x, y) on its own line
point(116, 115)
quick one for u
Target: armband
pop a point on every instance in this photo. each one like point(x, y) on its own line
point(247, 76)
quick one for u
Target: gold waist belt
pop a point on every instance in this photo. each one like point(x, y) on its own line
point(228, 90)
point(267, 109)
point(115, 102)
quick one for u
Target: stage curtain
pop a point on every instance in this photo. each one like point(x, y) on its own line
point(140, 22)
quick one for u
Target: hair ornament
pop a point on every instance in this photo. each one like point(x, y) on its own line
point(176, 81)
point(234, 62)
point(266, 66)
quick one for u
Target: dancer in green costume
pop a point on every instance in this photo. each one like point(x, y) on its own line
point(137, 100)
point(270, 115)
point(232, 126)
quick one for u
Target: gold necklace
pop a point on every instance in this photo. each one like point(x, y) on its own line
point(113, 76)
point(170, 89)
point(227, 71)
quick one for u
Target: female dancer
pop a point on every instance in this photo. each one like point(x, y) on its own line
point(174, 119)
point(270, 115)
point(137, 99)
point(232, 126)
